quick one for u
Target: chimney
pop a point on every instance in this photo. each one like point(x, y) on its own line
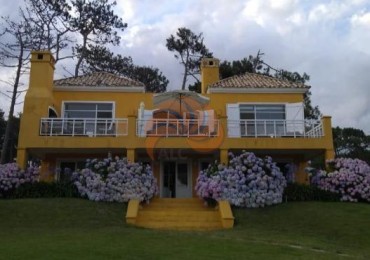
point(209, 72)
point(37, 101)
point(41, 73)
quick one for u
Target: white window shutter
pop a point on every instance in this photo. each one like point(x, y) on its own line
point(145, 122)
point(294, 115)
point(233, 120)
point(207, 118)
point(211, 120)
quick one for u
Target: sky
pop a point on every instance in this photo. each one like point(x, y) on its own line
point(329, 40)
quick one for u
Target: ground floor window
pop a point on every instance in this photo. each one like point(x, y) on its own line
point(204, 164)
point(66, 168)
point(288, 169)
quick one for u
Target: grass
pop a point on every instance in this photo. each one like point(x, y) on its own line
point(80, 229)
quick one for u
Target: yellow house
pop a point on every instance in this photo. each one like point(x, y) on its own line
point(178, 132)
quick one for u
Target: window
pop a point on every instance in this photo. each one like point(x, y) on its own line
point(204, 165)
point(262, 112)
point(270, 120)
point(66, 168)
point(89, 118)
point(262, 120)
point(88, 110)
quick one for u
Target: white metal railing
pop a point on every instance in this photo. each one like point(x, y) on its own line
point(177, 127)
point(83, 126)
point(275, 128)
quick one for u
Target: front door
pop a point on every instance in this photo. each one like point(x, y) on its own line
point(176, 179)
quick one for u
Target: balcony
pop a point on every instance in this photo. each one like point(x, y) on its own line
point(83, 127)
point(177, 127)
point(180, 128)
point(275, 128)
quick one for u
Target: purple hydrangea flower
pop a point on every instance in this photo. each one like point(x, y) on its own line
point(248, 181)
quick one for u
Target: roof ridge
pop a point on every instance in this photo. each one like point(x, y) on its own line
point(256, 80)
point(96, 78)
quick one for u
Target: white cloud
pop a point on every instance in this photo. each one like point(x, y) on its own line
point(361, 19)
point(126, 9)
point(270, 13)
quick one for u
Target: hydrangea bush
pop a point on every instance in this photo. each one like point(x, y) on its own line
point(11, 177)
point(248, 181)
point(348, 177)
point(115, 180)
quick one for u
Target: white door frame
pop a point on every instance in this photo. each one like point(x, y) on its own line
point(190, 175)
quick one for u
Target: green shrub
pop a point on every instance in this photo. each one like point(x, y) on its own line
point(301, 192)
point(44, 190)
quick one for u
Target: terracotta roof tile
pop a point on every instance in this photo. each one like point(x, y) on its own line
point(98, 79)
point(254, 80)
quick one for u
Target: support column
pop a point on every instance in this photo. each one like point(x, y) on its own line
point(224, 156)
point(223, 127)
point(47, 171)
point(301, 176)
point(156, 166)
point(132, 133)
point(131, 155)
point(328, 135)
point(329, 154)
point(22, 157)
point(132, 125)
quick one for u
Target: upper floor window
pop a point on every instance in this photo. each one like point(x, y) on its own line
point(262, 112)
point(265, 119)
point(88, 110)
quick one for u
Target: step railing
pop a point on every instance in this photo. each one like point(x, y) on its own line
point(92, 127)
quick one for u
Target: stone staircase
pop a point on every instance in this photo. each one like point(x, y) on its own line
point(178, 214)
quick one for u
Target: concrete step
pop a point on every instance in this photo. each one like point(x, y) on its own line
point(179, 214)
point(192, 201)
point(176, 225)
point(177, 209)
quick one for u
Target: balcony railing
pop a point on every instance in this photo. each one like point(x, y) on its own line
point(275, 128)
point(83, 127)
point(177, 127)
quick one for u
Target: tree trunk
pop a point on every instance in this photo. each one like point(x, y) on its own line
point(78, 65)
point(82, 56)
point(186, 69)
point(184, 78)
point(9, 125)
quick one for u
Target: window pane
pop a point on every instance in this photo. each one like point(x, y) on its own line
point(80, 106)
point(274, 116)
point(270, 112)
point(262, 112)
point(182, 173)
point(204, 165)
point(81, 165)
point(246, 115)
point(104, 114)
point(246, 108)
point(88, 110)
point(79, 114)
point(105, 106)
point(247, 112)
point(270, 108)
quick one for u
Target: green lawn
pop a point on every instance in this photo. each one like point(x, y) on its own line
point(80, 229)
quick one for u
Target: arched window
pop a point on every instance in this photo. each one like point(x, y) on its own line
point(52, 112)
